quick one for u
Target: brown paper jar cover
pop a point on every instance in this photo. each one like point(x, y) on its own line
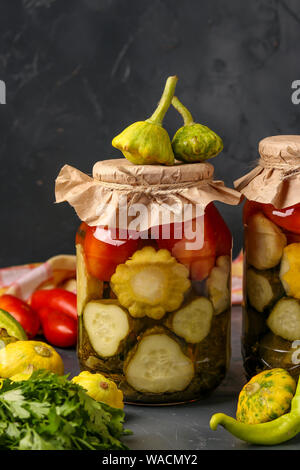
point(161, 189)
point(276, 178)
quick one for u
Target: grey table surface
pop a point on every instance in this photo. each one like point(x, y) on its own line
point(186, 427)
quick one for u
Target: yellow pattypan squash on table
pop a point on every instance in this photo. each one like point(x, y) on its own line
point(100, 388)
point(16, 357)
point(266, 396)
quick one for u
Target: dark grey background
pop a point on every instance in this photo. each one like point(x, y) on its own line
point(78, 71)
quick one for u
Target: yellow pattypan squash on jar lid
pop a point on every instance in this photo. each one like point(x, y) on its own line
point(100, 388)
point(147, 142)
point(16, 357)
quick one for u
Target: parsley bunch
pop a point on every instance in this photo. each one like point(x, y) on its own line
point(48, 412)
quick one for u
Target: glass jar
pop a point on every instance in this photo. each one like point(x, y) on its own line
point(271, 310)
point(154, 309)
point(153, 276)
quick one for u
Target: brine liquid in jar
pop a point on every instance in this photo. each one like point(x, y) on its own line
point(154, 308)
point(271, 311)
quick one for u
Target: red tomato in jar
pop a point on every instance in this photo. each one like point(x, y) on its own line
point(292, 237)
point(222, 233)
point(59, 329)
point(288, 218)
point(105, 252)
point(197, 253)
point(22, 312)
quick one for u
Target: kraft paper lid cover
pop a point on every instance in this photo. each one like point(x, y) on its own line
point(120, 192)
point(276, 178)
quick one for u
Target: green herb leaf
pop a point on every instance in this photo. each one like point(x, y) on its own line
point(49, 412)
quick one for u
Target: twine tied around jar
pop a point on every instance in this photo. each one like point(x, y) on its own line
point(151, 192)
point(276, 178)
point(289, 165)
point(158, 189)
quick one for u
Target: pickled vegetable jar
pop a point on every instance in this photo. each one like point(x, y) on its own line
point(271, 310)
point(154, 298)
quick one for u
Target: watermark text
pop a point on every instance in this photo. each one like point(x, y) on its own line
point(165, 222)
point(295, 97)
point(2, 92)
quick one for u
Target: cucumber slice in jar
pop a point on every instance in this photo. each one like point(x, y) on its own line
point(107, 325)
point(264, 242)
point(193, 321)
point(217, 285)
point(158, 365)
point(88, 287)
point(12, 327)
point(284, 320)
point(264, 288)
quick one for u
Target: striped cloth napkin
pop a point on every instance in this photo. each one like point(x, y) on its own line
point(237, 280)
point(22, 281)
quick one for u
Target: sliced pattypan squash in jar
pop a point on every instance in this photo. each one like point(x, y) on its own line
point(217, 284)
point(88, 287)
point(290, 268)
point(100, 388)
point(264, 288)
point(147, 142)
point(150, 283)
point(264, 242)
point(15, 357)
point(266, 396)
point(284, 319)
point(194, 142)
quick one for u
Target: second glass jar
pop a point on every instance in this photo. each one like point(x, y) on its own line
point(271, 316)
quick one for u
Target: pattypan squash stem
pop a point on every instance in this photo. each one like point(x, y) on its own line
point(270, 433)
point(165, 101)
point(186, 115)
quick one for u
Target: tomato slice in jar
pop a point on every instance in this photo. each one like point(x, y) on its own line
point(104, 251)
point(288, 218)
point(198, 253)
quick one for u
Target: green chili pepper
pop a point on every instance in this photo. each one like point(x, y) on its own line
point(147, 142)
point(272, 432)
point(194, 142)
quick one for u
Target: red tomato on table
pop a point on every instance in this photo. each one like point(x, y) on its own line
point(22, 312)
point(56, 299)
point(59, 329)
point(104, 252)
